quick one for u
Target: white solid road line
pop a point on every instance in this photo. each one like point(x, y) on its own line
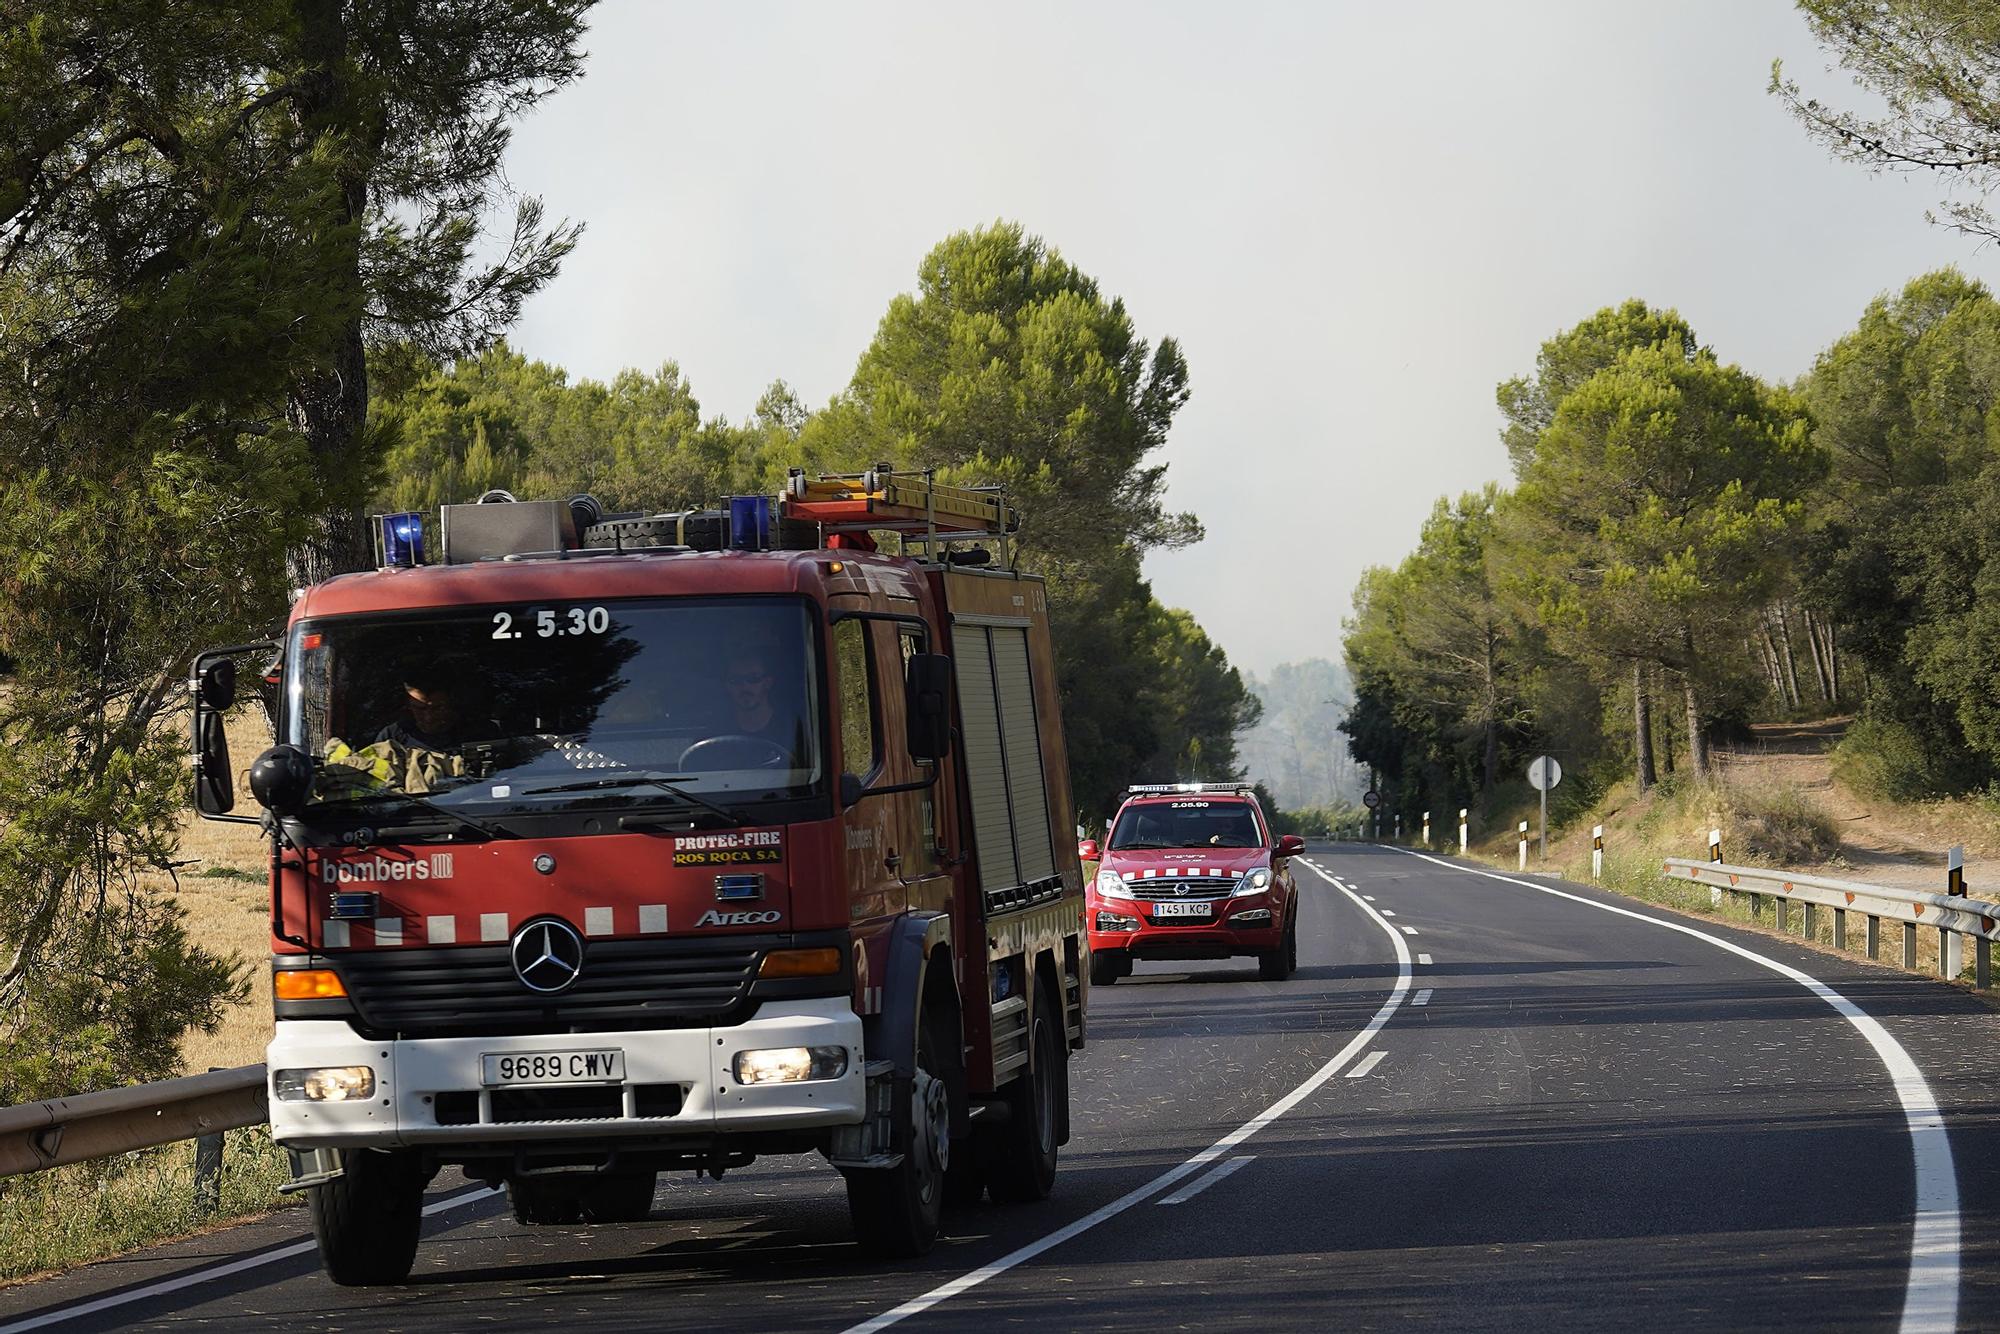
point(1373, 1059)
point(1930, 1296)
point(1207, 1179)
point(966, 1282)
point(1423, 997)
point(210, 1273)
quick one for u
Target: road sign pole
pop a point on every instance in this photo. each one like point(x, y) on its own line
point(1545, 825)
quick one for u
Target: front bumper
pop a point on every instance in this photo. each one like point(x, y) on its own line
point(1222, 936)
point(677, 1082)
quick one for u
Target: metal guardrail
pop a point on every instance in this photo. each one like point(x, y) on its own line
point(48, 1134)
point(1952, 916)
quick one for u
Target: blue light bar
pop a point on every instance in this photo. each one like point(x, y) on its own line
point(351, 907)
point(735, 888)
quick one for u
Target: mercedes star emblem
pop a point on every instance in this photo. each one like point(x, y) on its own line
point(547, 955)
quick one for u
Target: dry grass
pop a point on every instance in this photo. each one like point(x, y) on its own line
point(225, 891)
point(55, 1220)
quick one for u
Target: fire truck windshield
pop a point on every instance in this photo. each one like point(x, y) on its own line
point(704, 702)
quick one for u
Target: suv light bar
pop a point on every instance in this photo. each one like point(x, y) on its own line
point(1238, 788)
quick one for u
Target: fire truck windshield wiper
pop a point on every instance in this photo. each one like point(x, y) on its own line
point(660, 781)
point(422, 803)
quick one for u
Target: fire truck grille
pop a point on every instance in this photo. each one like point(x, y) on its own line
point(624, 984)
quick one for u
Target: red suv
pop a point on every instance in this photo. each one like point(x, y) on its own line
point(1191, 871)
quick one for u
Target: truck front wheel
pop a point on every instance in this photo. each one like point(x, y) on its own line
point(896, 1209)
point(366, 1219)
point(620, 1197)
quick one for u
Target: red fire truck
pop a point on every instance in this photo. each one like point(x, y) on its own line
point(611, 845)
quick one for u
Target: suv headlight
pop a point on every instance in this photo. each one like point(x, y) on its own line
point(1108, 882)
point(1256, 882)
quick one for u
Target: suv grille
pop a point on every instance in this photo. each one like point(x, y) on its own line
point(464, 992)
point(1197, 887)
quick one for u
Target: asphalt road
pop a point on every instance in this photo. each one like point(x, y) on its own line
point(1479, 1104)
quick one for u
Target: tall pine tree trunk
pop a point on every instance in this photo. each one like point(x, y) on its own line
point(1642, 727)
point(1697, 737)
point(329, 403)
point(1826, 690)
point(1785, 652)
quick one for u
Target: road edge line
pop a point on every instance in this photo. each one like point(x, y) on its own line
point(966, 1282)
point(1930, 1295)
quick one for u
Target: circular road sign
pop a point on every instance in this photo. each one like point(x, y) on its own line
point(1544, 773)
point(1371, 799)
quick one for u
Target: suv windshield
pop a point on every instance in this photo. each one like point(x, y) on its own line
point(1187, 824)
point(704, 702)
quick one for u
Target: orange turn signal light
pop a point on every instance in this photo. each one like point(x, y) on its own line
point(306, 984)
point(824, 962)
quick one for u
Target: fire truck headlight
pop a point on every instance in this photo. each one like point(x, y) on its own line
point(1256, 882)
point(788, 1065)
point(332, 1083)
point(1115, 921)
point(1108, 882)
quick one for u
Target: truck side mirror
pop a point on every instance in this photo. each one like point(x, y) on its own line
point(217, 684)
point(214, 788)
point(927, 705)
point(1290, 845)
point(281, 779)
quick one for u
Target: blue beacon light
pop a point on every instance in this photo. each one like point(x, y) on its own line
point(402, 539)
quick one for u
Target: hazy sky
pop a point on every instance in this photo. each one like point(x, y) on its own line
point(1357, 218)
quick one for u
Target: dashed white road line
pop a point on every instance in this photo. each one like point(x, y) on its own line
point(1423, 997)
point(1369, 897)
point(1208, 1178)
point(1374, 1059)
point(1409, 931)
point(1388, 912)
point(204, 1275)
point(1424, 959)
point(966, 1282)
point(1930, 1295)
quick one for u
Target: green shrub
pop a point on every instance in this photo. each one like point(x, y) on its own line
point(1885, 759)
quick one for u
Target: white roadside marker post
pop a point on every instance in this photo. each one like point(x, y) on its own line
point(1427, 829)
point(1461, 831)
point(1597, 852)
point(1524, 845)
point(1951, 946)
point(1715, 855)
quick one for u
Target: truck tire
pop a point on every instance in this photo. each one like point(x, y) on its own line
point(366, 1220)
point(1105, 967)
point(1276, 965)
point(896, 1210)
point(545, 1201)
point(620, 1197)
point(1022, 1165)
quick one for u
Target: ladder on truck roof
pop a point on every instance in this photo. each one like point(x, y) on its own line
point(912, 504)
